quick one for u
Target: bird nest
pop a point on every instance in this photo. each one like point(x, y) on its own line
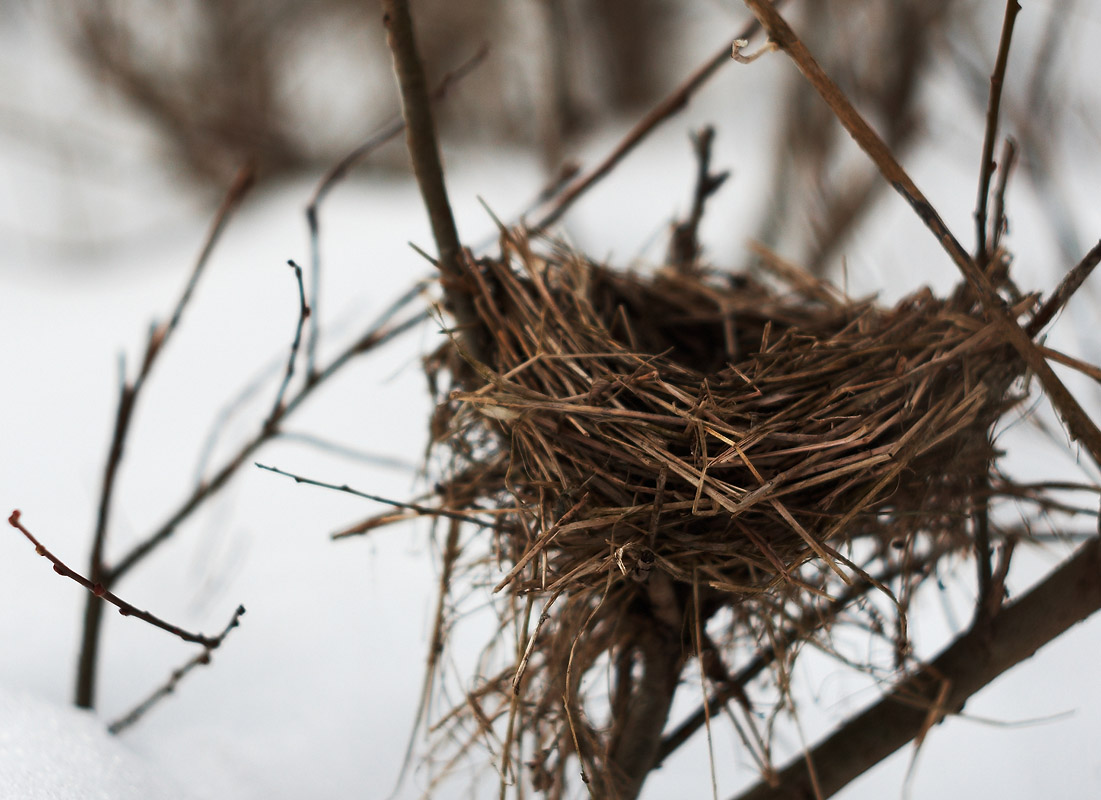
point(654, 450)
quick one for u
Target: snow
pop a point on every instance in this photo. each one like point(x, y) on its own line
point(314, 694)
point(56, 752)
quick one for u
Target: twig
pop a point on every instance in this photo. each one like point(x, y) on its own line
point(99, 590)
point(303, 314)
point(158, 336)
point(997, 78)
point(684, 247)
point(387, 133)
point(999, 225)
point(1070, 284)
point(665, 109)
point(255, 384)
point(202, 659)
point(369, 341)
point(1067, 596)
point(423, 510)
point(1079, 424)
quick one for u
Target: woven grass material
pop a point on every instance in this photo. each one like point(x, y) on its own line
point(655, 449)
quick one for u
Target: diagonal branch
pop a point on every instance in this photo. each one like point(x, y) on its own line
point(1079, 424)
point(99, 590)
point(1065, 597)
point(169, 686)
point(657, 115)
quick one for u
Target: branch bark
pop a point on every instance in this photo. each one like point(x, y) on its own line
point(1067, 596)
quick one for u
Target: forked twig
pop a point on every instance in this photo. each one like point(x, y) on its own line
point(387, 133)
point(684, 247)
point(303, 314)
point(986, 170)
point(158, 337)
point(169, 686)
point(665, 109)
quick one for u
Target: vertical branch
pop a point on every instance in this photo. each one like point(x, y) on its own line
point(999, 225)
point(420, 136)
point(684, 247)
point(986, 171)
point(420, 132)
point(158, 336)
point(303, 313)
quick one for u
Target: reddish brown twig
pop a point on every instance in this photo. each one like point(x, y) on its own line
point(169, 686)
point(101, 591)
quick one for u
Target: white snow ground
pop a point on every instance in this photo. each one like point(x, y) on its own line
point(314, 694)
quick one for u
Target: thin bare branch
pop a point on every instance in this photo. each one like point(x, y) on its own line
point(986, 170)
point(426, 511)
point(1070, 284)
point(99, 590)
point(158, 337)
point(169, 686)
point(421, 133)
point(999, 225)
point(424, 152)
point(303, 314)
point(667, 108)
point(369, 341)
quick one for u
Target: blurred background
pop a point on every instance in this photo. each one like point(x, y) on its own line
point(121, 126)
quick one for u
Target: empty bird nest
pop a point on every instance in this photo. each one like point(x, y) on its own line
point(648, 453)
